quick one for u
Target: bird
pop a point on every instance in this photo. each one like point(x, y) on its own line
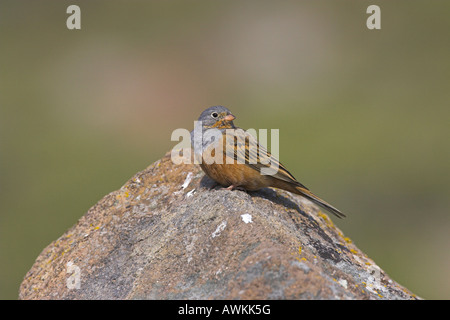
point(227, 155)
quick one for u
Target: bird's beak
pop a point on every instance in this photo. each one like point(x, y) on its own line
point(229, 117)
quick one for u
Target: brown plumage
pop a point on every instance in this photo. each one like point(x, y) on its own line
point(243, 160)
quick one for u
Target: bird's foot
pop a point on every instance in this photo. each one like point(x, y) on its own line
point(233, 187)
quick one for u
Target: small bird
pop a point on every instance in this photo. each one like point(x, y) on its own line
point(239, 165)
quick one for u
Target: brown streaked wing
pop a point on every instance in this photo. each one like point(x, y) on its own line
point(239, 149)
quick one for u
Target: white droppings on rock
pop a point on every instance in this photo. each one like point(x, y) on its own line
point(188, 180)
point(219, 229)
point(247, 218)
point(343, 283)
point(190, 193)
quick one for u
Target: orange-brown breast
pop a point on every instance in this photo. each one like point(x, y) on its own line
point(237, 174)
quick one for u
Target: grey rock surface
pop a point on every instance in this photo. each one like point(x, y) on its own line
point(169, 234)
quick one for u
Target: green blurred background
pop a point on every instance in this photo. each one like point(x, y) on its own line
point(363, 114)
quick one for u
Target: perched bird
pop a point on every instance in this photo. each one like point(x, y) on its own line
point(234, 158)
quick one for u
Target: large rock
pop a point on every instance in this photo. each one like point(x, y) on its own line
point(168, 234)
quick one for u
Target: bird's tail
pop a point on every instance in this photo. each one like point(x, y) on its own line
point(310, 196)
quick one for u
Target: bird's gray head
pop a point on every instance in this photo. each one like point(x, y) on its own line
point(211, 123)
point(217, 117)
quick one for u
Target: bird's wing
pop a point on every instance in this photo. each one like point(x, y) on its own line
point(245, 149)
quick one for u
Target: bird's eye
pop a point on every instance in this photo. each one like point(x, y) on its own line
point(214, 115)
